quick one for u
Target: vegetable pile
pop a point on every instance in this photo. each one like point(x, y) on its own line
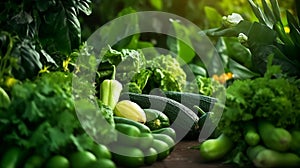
point(142, 102)
point(260, 123)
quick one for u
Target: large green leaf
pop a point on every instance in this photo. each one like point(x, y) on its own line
point(214, 18)
point(182, 45)
point(294, 29)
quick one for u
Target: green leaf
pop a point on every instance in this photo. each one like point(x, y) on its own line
point(276, 10)
point(258, 13)
point(213, 16)
point(57, 138)
point(182, 46)
point(261, 53)
point(84, 6)
point(198, 70)
point(240, 71)
point(269, 14)
point(157, 4)
point(44, 5)
point(260, 34)
point(238, 52)
point(242, 27)
point(73, 27)
point(294, 28)
point(32, 113)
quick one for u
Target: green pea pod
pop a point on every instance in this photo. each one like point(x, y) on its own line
point(110, 90)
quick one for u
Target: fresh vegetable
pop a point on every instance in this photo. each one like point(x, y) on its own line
point(30, 125)
point(127, 61)
point(264, 157)
point(216, 149)
point(295, 145)
point(100, 151)
point(11, 158)
point(273, 98)
point(34, 161)
point(165, 138)
point(162, 149)
point(156, 119)
point(205, 86)
point(58, 161)
point(278, 139)
point(131, 110)
point(143, 128)
point(110, 90)
point(103, 163)
point(126, 156)
point(192, 99)
point(150, 156)
point(251, 135)
point(188, 121)
point(162, 72)
point(129, 134)
point(145, 140)
point(252, 151)
point(167, 131)
point(81, 159)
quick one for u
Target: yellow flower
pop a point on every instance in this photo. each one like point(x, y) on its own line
point(223, 77)
point(44, 70)
point(286, 29)
point(10, 81)
point(66, 63)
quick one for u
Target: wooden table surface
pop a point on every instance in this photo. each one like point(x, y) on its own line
point(184, 157)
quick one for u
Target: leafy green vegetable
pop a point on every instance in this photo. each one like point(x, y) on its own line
point(162, 72)
point(42, 116)
point(273, 98)
point(205, 86)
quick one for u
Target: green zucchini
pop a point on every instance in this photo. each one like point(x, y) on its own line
point(295, 144)
point(271, 158)
point(191, 99)
point(275, 138)
point(182, 119)
point(216, 149)
point(143, 128)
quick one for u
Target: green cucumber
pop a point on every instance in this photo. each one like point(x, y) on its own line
point(215, 149)
point(295, 144)
point(252, 151)
point(126, 156)
point(128, 134)
point(272, 158)
point(251, 135)
point(165, 138)
point(11, 158)
point(182, 119)
point(278, 139)
point(143, 128)
point(167, 131)
point(162, 149)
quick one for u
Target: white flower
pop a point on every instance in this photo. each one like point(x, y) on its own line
point(232, 19)
point(242, 38)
